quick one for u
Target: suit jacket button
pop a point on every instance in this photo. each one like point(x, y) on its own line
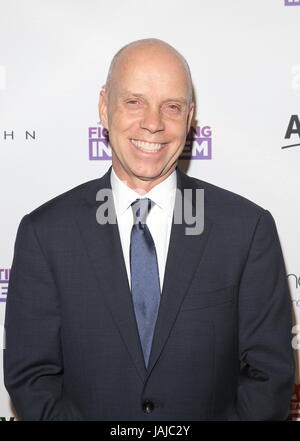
point(148, 406)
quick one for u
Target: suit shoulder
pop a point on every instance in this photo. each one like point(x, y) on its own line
point(227, 202)
point(64, 203)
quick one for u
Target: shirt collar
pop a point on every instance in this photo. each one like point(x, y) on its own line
point(162, 194)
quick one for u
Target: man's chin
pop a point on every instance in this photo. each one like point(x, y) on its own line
point(152, 177)
point(146, 177)
point(154, 174)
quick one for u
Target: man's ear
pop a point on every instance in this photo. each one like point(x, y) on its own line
point(103, 108)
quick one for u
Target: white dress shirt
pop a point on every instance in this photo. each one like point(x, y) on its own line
point(159, 219)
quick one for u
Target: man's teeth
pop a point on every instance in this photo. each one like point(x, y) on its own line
point(147, 146)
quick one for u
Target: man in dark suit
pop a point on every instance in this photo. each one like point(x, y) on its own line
point(122, 313)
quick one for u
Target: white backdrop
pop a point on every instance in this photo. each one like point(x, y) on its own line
point(245, 61)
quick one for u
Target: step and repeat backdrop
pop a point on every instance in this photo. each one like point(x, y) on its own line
point(245, 62)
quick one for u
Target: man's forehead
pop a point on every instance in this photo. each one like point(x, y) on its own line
point(155, 60)
point(145, 65)
point(145, 70)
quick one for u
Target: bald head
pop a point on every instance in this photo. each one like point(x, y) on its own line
point(149, 47)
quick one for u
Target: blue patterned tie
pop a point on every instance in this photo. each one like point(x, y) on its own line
point(145, 286)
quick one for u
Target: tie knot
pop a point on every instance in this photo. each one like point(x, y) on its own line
point(141, 209)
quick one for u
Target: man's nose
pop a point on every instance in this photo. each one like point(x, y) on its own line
point(152, 120)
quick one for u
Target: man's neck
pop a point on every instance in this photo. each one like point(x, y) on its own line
point(140, 185)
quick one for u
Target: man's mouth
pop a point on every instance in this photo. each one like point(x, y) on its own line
point(147, 146)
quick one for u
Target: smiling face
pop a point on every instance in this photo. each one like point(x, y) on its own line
point(147, 111)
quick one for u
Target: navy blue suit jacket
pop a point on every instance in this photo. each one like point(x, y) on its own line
point(222, 343)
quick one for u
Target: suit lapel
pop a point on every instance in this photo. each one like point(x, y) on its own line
point(106, 256)
point(105, 253)
point(180, 268)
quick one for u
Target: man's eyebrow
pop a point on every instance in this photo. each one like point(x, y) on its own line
point(178, 100)
point(140, 95)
